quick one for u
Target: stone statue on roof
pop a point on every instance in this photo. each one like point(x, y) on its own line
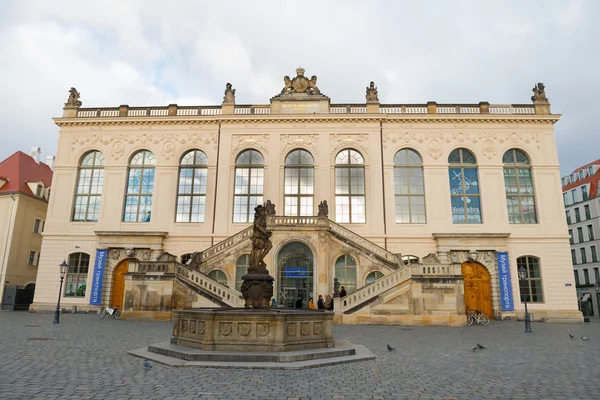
point(300, 84)
point(229, 94)
point(372, 95)
point(73, 100)
point(539, 93)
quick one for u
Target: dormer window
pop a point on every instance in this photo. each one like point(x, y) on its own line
point(38, 191)
point(582, 174)
point(591, 170)
point(573, 178)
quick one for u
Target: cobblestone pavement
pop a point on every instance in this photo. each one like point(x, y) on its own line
point(85, 358)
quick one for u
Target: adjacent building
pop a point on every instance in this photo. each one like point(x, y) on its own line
point(24, 191)
point(582, 205)
point(419, 210)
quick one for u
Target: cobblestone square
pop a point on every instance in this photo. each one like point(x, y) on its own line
point(84, 357)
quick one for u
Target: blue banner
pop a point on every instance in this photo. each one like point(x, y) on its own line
point(96, 293)
point(506, 297)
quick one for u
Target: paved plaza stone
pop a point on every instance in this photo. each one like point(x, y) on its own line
point(84, 357)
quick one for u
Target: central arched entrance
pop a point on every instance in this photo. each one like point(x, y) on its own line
point(118, 288)
point(478, 289)
point(295, 274)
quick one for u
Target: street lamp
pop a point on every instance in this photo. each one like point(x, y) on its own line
point(523, 279)
point(63, 271)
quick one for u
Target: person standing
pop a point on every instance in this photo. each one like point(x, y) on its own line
point(320, 303)
point(342, 292)
point(328, 303)
point(299, 302)
point(311, 304)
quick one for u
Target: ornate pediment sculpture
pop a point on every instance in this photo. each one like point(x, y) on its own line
point(229, 96)
point(539, 93)
point(300, 84)
point(73, 100)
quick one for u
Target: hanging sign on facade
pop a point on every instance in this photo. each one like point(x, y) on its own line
point(506, 297)
point(96, 293)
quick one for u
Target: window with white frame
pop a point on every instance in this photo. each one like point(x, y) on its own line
point(299, 183)
point(37, 226)
point(518, 184)
point(464, 187)
point(191, 192)
point(90, 179)
point(409, 189)
point(34, 259)
point(248, 185)
point(350, 187)
point(140, 186)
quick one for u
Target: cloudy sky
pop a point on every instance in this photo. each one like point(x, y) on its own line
point(158, 52)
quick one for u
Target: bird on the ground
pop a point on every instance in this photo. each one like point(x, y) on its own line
point(475, 348)
point(480, 347)
point(390, 348)
point(585, 338)
point(147, 364)
point(571, 336)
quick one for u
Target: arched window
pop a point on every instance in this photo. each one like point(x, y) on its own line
point(349, 187)
point(464, 187)
point(219, 276)
point(241, 269)
point(299, 183)
point(248, 189)
point(409, 188)
point(89, 187)
point(408, 259)
point(531, 288)
point(191, 193)
point(372, 277)
point(518, 183)
point(140, 185)
point(345, 271)
point(76, 279)
point(186, 257)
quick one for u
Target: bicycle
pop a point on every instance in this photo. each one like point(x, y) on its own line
point(476, 316)
point(111, 312)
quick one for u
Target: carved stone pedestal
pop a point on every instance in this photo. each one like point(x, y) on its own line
point(257, 290)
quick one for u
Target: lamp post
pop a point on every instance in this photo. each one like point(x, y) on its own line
point(63, 271)
point(523, 279)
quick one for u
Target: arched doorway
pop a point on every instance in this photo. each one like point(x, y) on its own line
point(118, 288)
point(295, 274)
point(478, 289)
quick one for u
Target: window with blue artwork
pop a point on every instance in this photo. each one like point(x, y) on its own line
point(464, 187)
point(140, 185)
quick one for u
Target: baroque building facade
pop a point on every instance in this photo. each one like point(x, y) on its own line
point(417, 210)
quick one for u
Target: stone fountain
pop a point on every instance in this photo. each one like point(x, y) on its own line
point(256, 336)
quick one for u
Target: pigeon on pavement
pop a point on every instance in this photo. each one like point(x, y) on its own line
point(147, 364)
point(585, 338)
point(475, 348)
point(390, 348)
point(480, 347)
point(571, 336)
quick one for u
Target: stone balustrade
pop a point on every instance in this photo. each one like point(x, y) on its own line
point(229, 296)
point(372, 290)
point(364, 243)
point(265, 109)
point(435, 270)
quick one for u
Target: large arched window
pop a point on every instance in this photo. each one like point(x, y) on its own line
point(140, 185)
point(248, 189)
point(345, 271)
point(409, 188)
point(299, 183)
point(349, 187)
point(518, 183)
point(219, 276)
point(373, 276)
point(241, 269)
point(191, 193)
point(464, 187)
point(89, 187)
point(531, 287)
point(408, 259)
point(76, 279)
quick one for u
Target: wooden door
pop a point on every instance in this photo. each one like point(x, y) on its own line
point(478, 290)
point(118, 289)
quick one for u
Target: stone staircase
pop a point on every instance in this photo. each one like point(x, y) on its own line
point(219, 293)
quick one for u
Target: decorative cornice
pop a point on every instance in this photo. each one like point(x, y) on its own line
point(318, 118)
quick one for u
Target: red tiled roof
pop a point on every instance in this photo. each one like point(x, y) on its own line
point(21, 168)
point(591, 179)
